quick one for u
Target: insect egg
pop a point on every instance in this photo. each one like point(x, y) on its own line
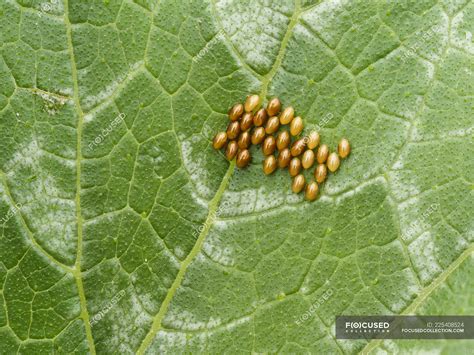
point(311, 191)
point(219, 140)
point(272, 125)
point(283, 140)
point(236, 111)
point(251, 103)
point(344, 148)
point(269, 145)
point(244, 140)
point(269, 164)
point(308, 159)
point(273, 106)
point(333, 162)
point(295, 166)
point(322, 153)
point(246, 121)
point(243, 158)
point(296, 126)
point(287, 115)
point(233, 130)
point(260, 117)
point(313, 140)
point(320, 173)
point(284, 157)
point(298, 147)
point(231, 150)
point(258, 135)
point(298, 183)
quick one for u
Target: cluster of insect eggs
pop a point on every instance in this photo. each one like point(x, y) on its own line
point(251, 125)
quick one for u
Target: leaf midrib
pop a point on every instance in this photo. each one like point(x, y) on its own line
point(80, 120)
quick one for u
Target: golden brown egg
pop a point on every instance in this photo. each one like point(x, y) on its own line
point(231, 150)
point(284, 157)
point(219, 140)
point(251, 103)
point(344, 148)
point(287, 115)
point(298, 183)
point(333, 162)
point(233, 130)
point(311, 192)
point(322, 153)
point(258, 135)
point(273, 106)
point(236, 111)
point(243, 158)
point(320, 173)
point(269, 164)
point(269, 145)
point(283, 140)
point(295, 166)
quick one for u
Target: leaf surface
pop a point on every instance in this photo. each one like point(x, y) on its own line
point(123, 231)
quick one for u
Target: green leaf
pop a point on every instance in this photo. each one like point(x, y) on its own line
point(123, 231)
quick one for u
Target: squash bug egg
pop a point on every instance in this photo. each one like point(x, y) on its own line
point(320, 173)
point(272, 125)
point(269, 145)
point(313, 140)
point(233, 130)
point(273, 106)
point(284, 157)
point(269, 164)
point(243, 158)
point(322, 153)
point(296, 126)
point(344, 148)
point(246, 121)
point(333, 162)
point(219, 140)
point(244, 140)
point(251, 103)
point(283, 140)
point(308, 159)
point(231, 150)
point(236, 111)
point(260, 117)
point(287, 115)
point(298, 147)
point(295, 166)
point(298, 183)
point(311, 191)
point(258, 135)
